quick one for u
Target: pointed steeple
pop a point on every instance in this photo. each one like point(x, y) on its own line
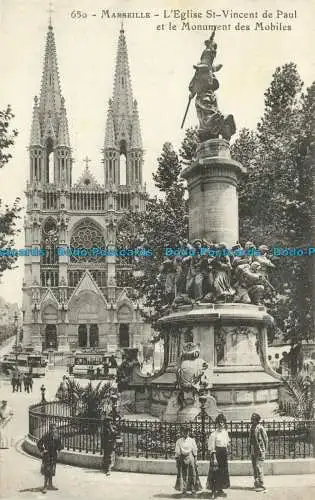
point(110, 129)
point(35, 128)
point(50, 94)
point(63, 134)
point(122, 95)
point(136, 139)
point(52, 163)
point(123, 153)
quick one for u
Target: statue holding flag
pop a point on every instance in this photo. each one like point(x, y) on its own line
point(212, 123)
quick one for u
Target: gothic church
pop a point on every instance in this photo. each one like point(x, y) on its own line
point(73, 301)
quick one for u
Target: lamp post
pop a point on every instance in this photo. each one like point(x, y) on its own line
point(203, 396)
point(16, 330)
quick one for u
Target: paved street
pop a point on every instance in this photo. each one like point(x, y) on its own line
point(20, 477)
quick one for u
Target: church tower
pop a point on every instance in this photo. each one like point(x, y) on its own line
point(123, 150)
point(71, 294)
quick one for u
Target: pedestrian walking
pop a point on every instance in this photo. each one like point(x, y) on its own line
point(49, 445)
point(218, 443)
point(30, 381)
point(26, 383)
point(186, 463)
point(108, 444)
point(6, 415)
point(19, 382)
point(14, 381)
point(258, 443)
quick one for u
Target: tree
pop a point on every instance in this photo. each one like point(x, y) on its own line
point(163, 224)
point(276, 193)
point(8, 215)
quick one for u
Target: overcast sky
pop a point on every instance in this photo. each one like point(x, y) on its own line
point(161, 67)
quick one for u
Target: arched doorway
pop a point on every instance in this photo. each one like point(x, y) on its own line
point(124, 335)
point(94, 339)
point(82, 336)
point(51, 337)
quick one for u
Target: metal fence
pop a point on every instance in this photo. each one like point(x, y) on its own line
point(149, 439)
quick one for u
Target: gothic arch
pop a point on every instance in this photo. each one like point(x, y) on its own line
point(50, 313)
point(87, 307)
point(124, 313)
point(83, 221)
point(49, 242)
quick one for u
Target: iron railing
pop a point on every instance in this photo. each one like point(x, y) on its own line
point(153, 439)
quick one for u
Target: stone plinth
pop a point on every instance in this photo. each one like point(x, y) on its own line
point(233, 341)
point(212, 185)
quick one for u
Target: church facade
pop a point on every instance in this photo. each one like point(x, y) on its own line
point(71, 297)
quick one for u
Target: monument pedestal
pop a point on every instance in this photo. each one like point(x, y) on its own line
point(212, 185)
point(233, 341)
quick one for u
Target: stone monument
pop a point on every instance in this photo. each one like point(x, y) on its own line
point(217, 301)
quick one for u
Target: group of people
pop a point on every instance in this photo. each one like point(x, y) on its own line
point(50, 445)
point(218, 446)
point(20, 380)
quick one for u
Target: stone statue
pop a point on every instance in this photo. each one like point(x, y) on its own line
point(212, 123)
point(215, 274)
point(222, 276)
point(193, 379)
point(193, 371)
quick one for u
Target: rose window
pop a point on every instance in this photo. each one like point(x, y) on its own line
point(84, 239)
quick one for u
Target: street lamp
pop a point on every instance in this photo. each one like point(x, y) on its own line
point(16, 329)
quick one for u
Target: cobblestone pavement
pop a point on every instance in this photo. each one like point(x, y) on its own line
point(20, 477)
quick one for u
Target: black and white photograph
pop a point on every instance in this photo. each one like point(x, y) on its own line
point(157, 249)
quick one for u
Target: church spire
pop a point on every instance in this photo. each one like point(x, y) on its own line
point(35, 128)
point(123, 154)
point(136, 139)
point(50, 151)
point(110, 130)
point(122, 95)
point(50, 94)
point(63, 134)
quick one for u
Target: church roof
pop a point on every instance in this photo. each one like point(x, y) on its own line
point(87, 181)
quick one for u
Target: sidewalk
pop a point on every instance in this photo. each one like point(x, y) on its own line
point(20, 474)
point(20, 479)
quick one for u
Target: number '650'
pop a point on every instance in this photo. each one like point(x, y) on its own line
point(78, 14)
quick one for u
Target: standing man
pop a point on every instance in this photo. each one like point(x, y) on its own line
point(20, 379)
point(108, 445)
point(6, 415)
point(14, 381)
point(49, 445)
point(30, 381)
point(258, 444)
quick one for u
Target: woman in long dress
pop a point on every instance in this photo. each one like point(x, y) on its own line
point(219, 440)
point(6, 415)
point(186, 462)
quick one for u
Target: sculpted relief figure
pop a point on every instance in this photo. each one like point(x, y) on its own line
point(216, 275)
